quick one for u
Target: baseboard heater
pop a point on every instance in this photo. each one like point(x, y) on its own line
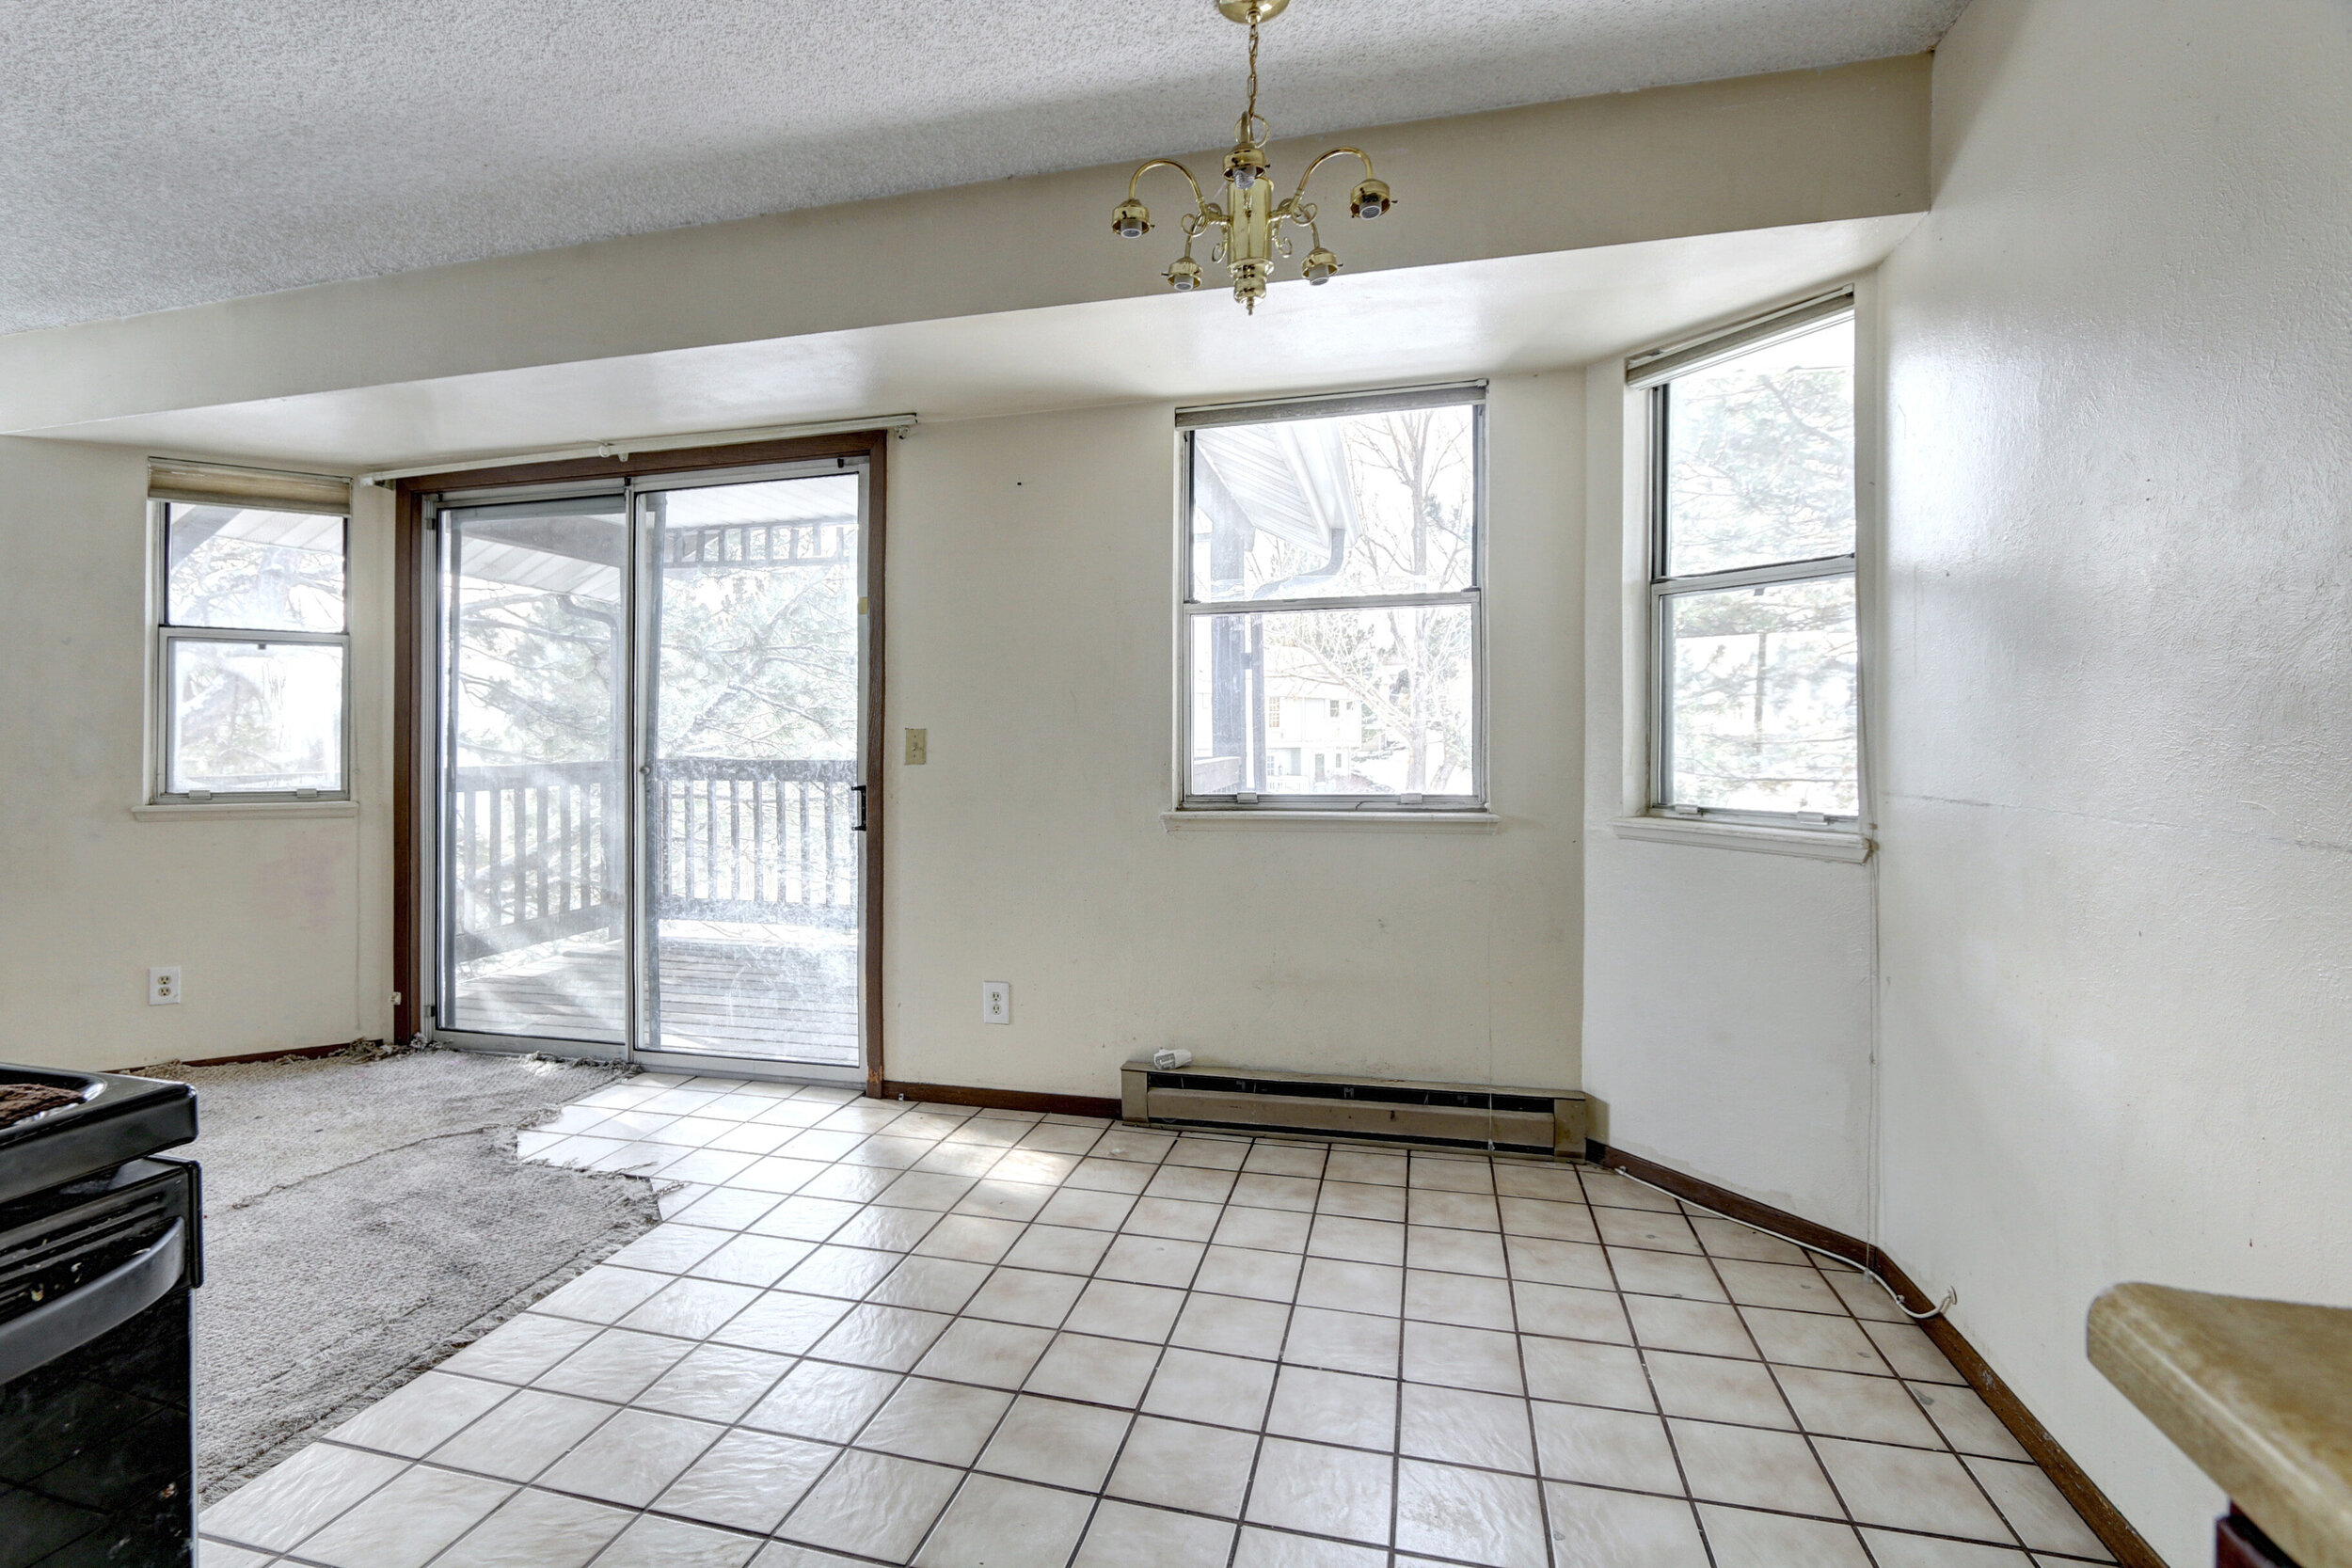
point(1454, 1115)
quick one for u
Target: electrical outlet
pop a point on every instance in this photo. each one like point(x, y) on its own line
point(163, 987)
point(995, 1001)
point(918, 747)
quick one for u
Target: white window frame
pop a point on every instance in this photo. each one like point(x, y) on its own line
point(1189, 606)
point(162, 636)
point(1653, 374)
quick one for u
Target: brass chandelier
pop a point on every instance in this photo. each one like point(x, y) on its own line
point(1249, 223)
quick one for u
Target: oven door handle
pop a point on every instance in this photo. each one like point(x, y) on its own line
point(97, 1308)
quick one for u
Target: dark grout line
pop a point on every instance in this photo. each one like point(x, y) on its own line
point(1158, 1150)
point(1649, 1378)
point(1055, 1333)
point(1949, 1448)
point(1237, 1520)
point(1519, 1345)
point(1796, 1420)
point(937, 1377)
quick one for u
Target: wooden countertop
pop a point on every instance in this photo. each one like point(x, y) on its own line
point(2259, 1393)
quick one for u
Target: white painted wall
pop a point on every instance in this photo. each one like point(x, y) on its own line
point(1727, 992)
point(1031, 631)
point(2117, 839)
point(282, 928)
point(1030, 583)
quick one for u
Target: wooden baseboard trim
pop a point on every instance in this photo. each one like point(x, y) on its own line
point(307, 1052)
point(1746, 1210)
point(1002, 1099)
point(2105, 1519)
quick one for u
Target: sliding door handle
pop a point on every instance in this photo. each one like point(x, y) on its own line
point(858, 824)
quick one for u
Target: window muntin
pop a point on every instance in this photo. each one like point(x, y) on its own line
point(1333, 645)
point(252, 654)
point(1756, 706)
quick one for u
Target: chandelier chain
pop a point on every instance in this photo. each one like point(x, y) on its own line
point(1251, 112)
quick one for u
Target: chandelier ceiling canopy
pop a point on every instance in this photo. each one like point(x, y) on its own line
point(1249, 224)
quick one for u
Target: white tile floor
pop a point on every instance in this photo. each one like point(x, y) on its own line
point(877, 1332)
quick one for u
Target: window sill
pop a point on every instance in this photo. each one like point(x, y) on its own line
point(1819, 844)
point(211, 811)
point(1317, 822)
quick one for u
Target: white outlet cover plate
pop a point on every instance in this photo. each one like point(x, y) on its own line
point(995, 1002)
point(163, 987)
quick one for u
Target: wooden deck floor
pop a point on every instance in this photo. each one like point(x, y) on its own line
point(734, 999)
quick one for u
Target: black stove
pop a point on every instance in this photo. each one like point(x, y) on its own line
point(99, 1248)
point(119, 1117)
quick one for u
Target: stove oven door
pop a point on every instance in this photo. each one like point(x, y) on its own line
point(97, 1439)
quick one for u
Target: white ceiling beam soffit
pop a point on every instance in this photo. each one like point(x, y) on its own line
point(1437, 325)
point(1718, 158)
point(295, 145)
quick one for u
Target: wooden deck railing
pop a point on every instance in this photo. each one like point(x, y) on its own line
point(759, 841)
point(538, 852)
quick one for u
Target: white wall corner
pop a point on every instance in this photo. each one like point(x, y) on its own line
point(1728, 997)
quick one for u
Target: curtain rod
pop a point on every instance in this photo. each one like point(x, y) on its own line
point(649, 443)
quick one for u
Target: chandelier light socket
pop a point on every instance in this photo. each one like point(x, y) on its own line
point(1371, 199)
point(1131, 219)
point(1183, 274)
point(1319, 266)
point(1246, 164)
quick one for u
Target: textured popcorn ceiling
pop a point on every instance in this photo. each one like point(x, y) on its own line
point(154, 156)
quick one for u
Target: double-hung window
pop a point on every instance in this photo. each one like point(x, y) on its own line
point(252, 649)
point(1332, 614)
point(1752, 579)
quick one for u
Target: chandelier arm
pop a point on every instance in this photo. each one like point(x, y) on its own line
point(1309, 174)
point(1141, 170)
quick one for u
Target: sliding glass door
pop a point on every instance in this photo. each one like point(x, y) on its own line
point(534, 799)
point(752, 792)
point(652, 770)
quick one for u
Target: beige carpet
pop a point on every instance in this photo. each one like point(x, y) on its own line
point(365, 1218)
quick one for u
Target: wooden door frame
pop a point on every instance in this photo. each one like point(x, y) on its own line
point(413, 708)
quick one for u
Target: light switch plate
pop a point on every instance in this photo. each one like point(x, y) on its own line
point(163, 987)
point(918, 747)
point(995, 1001)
